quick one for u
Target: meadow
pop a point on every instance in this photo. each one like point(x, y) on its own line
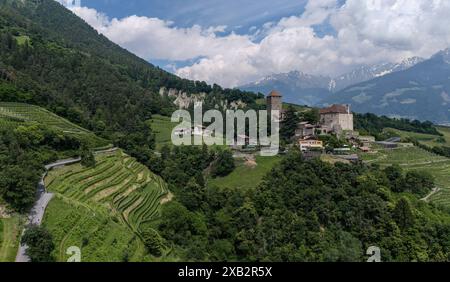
point(246, 175)
point(162, 128)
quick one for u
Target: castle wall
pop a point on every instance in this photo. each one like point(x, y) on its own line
point(346, 121)
point(337, 122)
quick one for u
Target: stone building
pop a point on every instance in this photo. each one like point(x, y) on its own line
point(337, 118)
point(275, 103)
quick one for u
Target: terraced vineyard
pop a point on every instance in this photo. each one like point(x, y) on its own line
point(418, 159)
point(15, 114)
point(427, 139)
point(118, 185)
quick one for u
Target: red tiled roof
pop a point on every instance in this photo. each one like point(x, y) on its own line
point(275, 93)
point(335, 109)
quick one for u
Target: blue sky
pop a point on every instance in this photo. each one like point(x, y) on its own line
point(264, 37)
point(238, 15)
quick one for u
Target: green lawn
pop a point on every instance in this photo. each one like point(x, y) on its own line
point(418, 159)
point(245, 176)
point(9, 238)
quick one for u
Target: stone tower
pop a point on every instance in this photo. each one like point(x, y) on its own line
point(274, 102)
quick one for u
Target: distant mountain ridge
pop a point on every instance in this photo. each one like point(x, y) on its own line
point(301, 88)
point(419, 92)
point(313, 88)
point(365, 73)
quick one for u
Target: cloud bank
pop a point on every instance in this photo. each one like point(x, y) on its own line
point(363, 32)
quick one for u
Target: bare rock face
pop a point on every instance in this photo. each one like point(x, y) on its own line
point(184, 100)
point(181, 99)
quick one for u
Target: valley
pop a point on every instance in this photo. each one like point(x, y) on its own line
point(341, 183)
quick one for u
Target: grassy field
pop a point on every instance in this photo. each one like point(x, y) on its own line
point(13, 115)
point(162, 128)
point(21, 39)
point(9, 238)
point(427, 139)
point(118, 194)
point(418, 159)
point(246, 176)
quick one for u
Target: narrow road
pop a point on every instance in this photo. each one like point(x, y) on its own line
point(37, 212)
point(43, 198)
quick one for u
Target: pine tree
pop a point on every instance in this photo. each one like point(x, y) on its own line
point(289, 124)
point(403, 214)
point(87, 157)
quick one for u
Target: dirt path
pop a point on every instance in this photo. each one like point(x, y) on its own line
point(434, 191)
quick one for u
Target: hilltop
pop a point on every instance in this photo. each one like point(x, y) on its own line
point(51, 58)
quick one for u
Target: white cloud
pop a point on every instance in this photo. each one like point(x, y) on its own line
point(367, 32)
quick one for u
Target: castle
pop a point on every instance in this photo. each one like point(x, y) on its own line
point(337, 118)
point(334, 119)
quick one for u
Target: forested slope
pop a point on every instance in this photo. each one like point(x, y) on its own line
point(52, 58)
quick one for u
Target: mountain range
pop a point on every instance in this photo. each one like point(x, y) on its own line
point(302, 88)
point(414, 88)
point(419, 92)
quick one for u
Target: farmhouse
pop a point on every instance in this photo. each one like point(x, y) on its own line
point(304, 129)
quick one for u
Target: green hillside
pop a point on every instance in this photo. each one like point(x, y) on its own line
point(418, 159)
point(162, 128)
point(98, 236)
point(426, 139)
point(246, 175)
point(9, 238)
point(118, 190)
point(67, 67)
point(13, 115)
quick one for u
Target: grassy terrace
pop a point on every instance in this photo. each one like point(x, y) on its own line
point(13, 115)
point(427, 139)
point(109, 204)
point(418, 159)
point(10, 229)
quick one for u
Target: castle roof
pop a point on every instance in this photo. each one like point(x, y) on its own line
point(275, 93)
point(335, 109)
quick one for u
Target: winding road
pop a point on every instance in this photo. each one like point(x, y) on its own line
point(38, 210)
point(43, 198)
